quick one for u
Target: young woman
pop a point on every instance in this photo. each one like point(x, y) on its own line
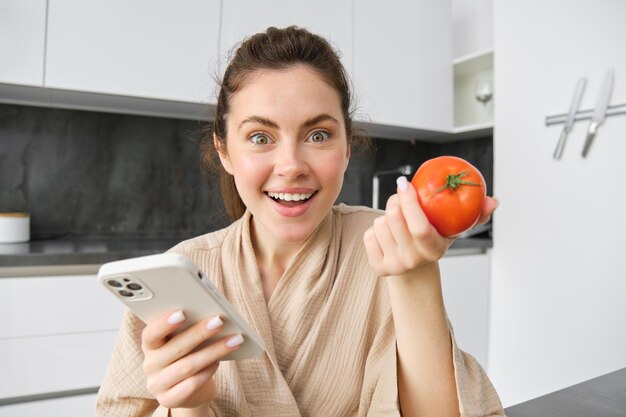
point(347, 299)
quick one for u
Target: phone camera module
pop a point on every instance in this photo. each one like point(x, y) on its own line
point(134, 287)
point(126, 293)
point(114, 283)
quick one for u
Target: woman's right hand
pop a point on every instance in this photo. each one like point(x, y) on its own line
point(177, 376)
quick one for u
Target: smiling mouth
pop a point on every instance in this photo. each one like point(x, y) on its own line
point(289, 199)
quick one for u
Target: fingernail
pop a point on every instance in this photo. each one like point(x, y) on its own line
point(402, 182)
point(214, 323)
point(236, 340)
point(176, 317)
point(497, 201)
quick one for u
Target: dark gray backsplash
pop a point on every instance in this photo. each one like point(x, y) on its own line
point(392, 154)
point(82, 173)
point(98, 174)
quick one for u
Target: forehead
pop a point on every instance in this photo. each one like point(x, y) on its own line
point(284, 95)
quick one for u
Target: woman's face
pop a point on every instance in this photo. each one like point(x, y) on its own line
point(287, 150)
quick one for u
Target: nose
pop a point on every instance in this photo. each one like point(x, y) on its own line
point(290, 161)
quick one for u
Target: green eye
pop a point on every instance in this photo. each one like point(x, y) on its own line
point(319, 136)
point(260, 139)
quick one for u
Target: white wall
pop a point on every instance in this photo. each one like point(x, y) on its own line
point(472, 26)
point(559, 266)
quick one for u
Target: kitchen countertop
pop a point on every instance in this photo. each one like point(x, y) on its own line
point(77, 251)
point(604, 396)
point(96, 251)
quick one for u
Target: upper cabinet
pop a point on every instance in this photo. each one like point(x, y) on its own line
point(144, 48)
point(472, 27)
point(158, 57)
point(328, 18)
point(22, 41)
point(403, 63)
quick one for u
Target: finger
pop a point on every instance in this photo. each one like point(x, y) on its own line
point(415, 218)
point(397, 223)
point(374, 252)
point(490, 204)
point(385, 239)
point(176, 373)
point(188, 366)
point(190, 392)
point(430, 242)
point(191, 364)
point(183, 343)
point(155, 334)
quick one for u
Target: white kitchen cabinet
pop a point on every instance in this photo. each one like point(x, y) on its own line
point(472, 27)
point(157, 58)
point(57, 335)
point(40, 306)
point(465, 284)
point(46, 364)
point(143, 48)
point(403, 63)
point(22, 41)
point(327, 18)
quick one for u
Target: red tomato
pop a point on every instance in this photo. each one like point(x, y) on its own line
point(451, 192)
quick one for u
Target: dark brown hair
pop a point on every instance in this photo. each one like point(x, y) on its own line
point(275, 49)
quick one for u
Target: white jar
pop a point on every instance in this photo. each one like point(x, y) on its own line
point(14, 227)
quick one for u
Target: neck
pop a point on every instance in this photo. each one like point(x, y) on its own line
point(269, 251)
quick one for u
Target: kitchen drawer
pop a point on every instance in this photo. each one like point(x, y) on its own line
point(53, 305)
point(35, 365)
point(78, 406)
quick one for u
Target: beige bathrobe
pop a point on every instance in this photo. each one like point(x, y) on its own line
point(328, 331)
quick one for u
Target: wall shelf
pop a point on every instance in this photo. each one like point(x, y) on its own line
point(469, 63)
point(473, 75)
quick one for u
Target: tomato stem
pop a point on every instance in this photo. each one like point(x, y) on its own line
point(454, 181)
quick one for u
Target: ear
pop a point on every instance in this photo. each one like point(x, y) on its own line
point(224, 159)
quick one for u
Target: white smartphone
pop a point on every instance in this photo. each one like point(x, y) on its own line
point(152, 285)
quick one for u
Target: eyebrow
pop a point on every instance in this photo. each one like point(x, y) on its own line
point(269, 123)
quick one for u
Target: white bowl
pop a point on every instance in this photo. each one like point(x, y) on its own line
point(14, 227)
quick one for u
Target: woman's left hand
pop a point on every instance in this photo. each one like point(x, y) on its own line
point(403, 239)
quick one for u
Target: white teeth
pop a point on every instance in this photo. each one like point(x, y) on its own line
point(290, 196)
